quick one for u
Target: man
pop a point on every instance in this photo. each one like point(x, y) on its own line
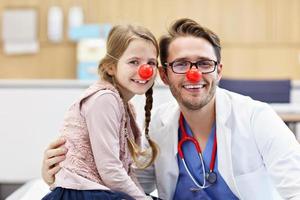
point(245, 149)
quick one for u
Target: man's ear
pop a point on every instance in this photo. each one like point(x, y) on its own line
point(219, 71)
point(163, 75)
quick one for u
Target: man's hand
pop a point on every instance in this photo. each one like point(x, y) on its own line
point(53, 155)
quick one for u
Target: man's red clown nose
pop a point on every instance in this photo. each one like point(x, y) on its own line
point(145, 71)
point(194, 75)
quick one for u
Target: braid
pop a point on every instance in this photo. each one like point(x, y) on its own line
point(148, 107)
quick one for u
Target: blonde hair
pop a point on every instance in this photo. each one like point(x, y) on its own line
point(118, 40)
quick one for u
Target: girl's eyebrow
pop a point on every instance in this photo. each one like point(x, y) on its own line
point(134, 57)
point(152, 59)
point(138, 58)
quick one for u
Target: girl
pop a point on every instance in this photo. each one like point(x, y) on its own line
point(101, 134)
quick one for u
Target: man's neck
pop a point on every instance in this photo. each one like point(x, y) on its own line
point(200, 121)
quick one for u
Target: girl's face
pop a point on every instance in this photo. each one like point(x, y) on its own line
point(138, 52)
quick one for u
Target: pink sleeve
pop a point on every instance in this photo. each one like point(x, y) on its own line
point(103, 118)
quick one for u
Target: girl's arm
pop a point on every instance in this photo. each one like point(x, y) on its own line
point(103, 118)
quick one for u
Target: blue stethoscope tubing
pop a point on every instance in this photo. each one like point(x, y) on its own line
point(209, 177)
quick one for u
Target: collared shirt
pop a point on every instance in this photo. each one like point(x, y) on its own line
point(219, 190)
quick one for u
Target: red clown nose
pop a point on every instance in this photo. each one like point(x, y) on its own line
point(145, 71)
point(194, 75)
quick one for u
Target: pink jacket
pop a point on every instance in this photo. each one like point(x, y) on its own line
point(98, 156)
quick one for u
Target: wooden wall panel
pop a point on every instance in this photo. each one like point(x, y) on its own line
point(53, 61)
point(286, 21)
point(260, 38)
point(261, 62)
point(244, 21)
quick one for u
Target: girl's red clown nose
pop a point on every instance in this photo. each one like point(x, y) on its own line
point(145, 71)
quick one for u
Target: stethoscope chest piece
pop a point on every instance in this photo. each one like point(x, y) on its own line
point(211, 177)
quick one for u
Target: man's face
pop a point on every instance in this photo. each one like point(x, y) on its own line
point(189, 94)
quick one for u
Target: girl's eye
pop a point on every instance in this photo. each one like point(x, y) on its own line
point(152, 63)
point(134, 62)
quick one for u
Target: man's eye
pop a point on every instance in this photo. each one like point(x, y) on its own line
point(204, 63)
point(180, 63)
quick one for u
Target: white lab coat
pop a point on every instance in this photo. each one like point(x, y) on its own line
point(258, 156)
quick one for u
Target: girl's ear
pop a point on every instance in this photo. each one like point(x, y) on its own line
point(111, 70)
point(163, 75)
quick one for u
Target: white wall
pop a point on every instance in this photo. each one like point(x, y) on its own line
point(30, 118)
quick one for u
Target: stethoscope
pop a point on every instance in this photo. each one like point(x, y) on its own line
point(210, 176)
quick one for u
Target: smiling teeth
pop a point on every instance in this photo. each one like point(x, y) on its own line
point(193, 86)
point(140, 81)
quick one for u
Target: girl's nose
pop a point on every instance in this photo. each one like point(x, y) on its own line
point(145, 71)
point(194, 75)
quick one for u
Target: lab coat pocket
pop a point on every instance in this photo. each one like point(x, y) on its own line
point(256, 185)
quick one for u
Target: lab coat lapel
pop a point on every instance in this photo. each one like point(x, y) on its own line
point(170, 120)
point(223, 112)
point(170, 124)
